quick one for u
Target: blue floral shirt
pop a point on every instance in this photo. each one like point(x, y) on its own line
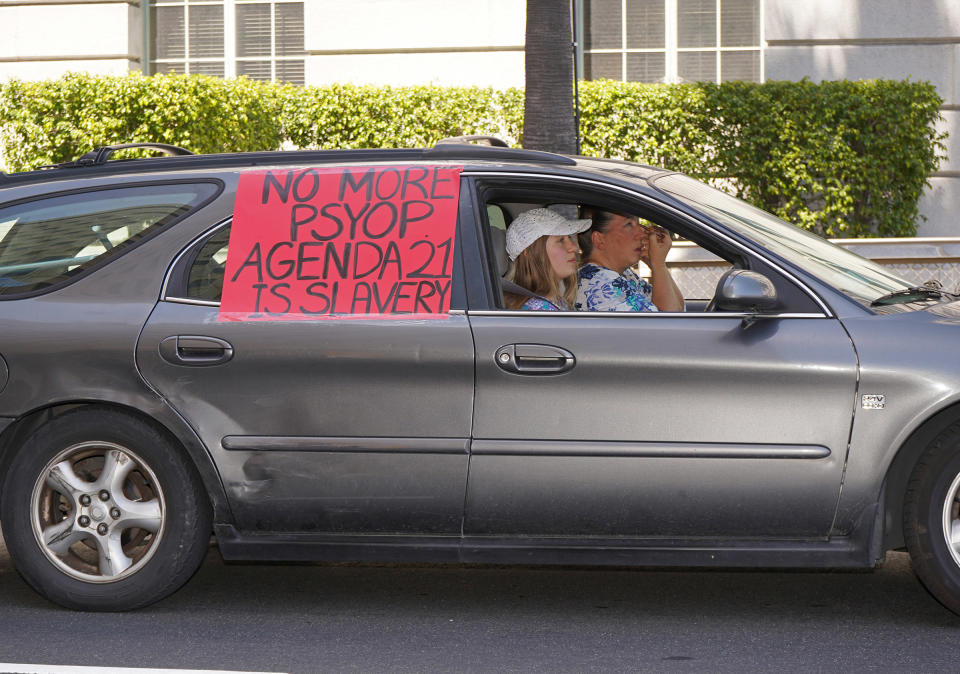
point(543, 304)
point(602, 289)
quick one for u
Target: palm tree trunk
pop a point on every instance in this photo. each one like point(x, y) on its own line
point(548, 119)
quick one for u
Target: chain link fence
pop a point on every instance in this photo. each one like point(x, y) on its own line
point(917, 260)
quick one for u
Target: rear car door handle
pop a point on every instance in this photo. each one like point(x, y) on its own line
point(195, 350)
point(535, 359)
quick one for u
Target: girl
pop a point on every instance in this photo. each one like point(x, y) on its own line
point(542, 245)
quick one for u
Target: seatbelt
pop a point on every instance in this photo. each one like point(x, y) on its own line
point(511, 287)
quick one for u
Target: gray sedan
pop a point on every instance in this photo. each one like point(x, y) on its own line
point(307, 355)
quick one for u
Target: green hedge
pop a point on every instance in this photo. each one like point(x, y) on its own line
point(351, 116)
point(58, 120)
point(839, 158)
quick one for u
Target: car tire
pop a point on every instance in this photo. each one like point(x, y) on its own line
point(101, 511)
point(931, 518)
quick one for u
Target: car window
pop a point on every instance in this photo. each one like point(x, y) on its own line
point(204, 275)
point(205, 278)
point(47, 241)
point(695, 269)
point(321, 243)
point(860, 279)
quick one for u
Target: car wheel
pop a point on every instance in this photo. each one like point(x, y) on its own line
point(931, 518)
point(100, 511)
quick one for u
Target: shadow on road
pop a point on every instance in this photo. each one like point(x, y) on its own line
point(340, 617)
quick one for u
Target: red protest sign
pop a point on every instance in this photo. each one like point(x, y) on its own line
point(354, 242)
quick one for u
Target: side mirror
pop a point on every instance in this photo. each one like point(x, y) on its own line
point(745, 291)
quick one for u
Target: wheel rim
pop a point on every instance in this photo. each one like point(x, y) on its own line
point(97, 512)
point(951, 520)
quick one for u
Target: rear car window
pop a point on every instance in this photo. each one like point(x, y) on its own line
point(205, 281)
point(47, 241)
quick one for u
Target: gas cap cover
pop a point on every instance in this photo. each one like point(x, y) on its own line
point(4, 373)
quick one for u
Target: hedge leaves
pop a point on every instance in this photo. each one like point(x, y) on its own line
point(838, 158)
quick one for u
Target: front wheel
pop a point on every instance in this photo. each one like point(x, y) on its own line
point(100, 511)
point(931, 515)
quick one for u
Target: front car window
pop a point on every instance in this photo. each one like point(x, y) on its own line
point(858, 278)
point(47, 241)
point(695, 267)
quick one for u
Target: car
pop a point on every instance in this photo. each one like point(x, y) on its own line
point(306, 355)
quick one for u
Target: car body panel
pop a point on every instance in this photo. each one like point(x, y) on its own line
point(685, 390)
point(906, 358)
point(319, 381)
point(719, 439)
point(307, 422)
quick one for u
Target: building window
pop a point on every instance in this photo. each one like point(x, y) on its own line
point(672, 40)
point(262, 39)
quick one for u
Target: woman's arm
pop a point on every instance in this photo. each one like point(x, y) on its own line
point(666, 294)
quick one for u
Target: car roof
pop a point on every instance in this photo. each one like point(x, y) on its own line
point(97, 163)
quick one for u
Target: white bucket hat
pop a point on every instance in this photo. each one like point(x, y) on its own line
point(531, 225)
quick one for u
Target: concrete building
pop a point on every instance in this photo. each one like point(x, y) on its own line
point(465, 42)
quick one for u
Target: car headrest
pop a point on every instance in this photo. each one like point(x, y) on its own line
point(499, 238)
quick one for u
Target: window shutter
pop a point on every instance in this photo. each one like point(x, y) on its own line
point(739, 23)
point(289, 29)
point(168, 34)
point(253, 32)
point(291, 71)
point(255, 70)
point(696, 23)
point(646, 25)
point(740, 65)
point(646, 67)
point(697, 66)
point(206, 31)
point(602, 23)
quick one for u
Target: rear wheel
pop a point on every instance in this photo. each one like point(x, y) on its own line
point(100, 511)
point(932, 518)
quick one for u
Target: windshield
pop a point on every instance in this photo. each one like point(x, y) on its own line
point(857, 277)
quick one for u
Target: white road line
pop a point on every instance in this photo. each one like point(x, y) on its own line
point(14, 668)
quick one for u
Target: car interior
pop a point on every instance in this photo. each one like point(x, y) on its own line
point(501, 205)
point(500, 214)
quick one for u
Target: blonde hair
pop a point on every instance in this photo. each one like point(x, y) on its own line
point(533, 271)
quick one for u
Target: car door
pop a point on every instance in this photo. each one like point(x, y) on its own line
point(352, 423)
point(658, 425)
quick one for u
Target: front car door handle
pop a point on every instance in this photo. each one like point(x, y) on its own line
point(535, 359)
point(195, 350)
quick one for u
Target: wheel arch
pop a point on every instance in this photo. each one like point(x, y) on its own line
point(900, 469)
point(163, 420)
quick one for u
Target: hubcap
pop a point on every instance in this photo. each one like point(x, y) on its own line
point(951, 519)
point(97, 512)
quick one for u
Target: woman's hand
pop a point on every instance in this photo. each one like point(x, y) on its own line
point(655, 246)
point(666, 294)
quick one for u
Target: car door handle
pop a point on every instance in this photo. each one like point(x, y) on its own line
point(534, 359)
point(195, 350)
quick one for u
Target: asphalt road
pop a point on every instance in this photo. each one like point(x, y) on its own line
point(411, 618)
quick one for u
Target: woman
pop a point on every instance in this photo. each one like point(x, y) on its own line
point(615, 243)
point(544, 251)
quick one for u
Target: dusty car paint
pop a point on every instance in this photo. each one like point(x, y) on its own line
point(713, 438)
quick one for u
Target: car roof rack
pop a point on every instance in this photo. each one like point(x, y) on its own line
point(450, 150)
point(100, 155)
point(491, 141)
point(467, 147)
